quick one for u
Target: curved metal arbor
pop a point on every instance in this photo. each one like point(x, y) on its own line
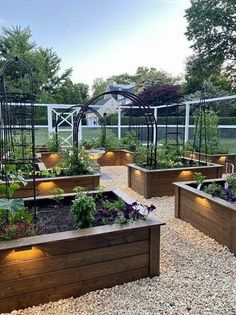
point(76, 130)
point(17, 132)
point(147, 113)
point(200, 131)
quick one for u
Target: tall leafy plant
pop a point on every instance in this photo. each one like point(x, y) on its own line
point(206, 133)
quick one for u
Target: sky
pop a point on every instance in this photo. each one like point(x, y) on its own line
point(101, 38)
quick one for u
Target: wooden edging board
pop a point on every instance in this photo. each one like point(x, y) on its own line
point(213, 216)
point(45, 268)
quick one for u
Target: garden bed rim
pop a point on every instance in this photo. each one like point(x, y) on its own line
point(212, 155)
point(152, 220)
point(46, 179)
point(211, 165)
point(200, 193)
point(76, 234)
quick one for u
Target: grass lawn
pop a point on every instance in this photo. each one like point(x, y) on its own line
point(41, 136)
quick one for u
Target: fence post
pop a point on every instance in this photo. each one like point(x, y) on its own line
point(155, 134)
point(50, 127)
point(119, 122)
point(186, 128)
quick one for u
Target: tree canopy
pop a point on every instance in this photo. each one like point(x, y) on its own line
point(212, 30)
point(50, 83)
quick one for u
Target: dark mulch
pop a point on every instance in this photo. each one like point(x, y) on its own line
point(53, 217)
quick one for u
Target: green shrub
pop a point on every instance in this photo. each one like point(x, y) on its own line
point(83, 209)
point(77, 162)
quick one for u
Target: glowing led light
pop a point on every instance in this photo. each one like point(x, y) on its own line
point(46, 185)
point(24, 254)
point(54, 156)
point(110, 153)
point(137, 172)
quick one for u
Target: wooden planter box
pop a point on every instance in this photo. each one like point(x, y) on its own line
point(211, 215)
point(44, 186)
point(50, 267)
point(215, 158)
point(156, 183)
point(110, 158)
point(116, 158)
point(50, 159)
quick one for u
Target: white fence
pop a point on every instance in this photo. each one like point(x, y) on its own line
point(54, 110)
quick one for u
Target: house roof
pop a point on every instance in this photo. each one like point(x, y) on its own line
point(121, 87)
point(102, 101)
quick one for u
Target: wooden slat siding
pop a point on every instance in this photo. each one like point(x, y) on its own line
point(110, 158)
point(74, 289)
point(127, 158)
point(201, 226)
point(219, 209)
point(67, 183)
point(177, 201)
point(21, 269)
point(213, 218)
point(160, 182)
point(70, 275)
point(137, 182)
point(154, 262)
point(116, 158)
point(198, 215)
point(233, 236)
point(50, 162)
point(47, 243)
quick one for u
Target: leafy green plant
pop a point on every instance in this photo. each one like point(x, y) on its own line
point(53, 144)
point(169, 155)
point(57, 194)
point(7, 191)
point(130, 141)
point(89, 143)
point(83, 209)
point(210, 125)
point(111, 142)
point(141, 156)
point(12, 209)
point(115, 205)
point(231, 181)
point(211, 188)
point(199, 179)
point(77, 162)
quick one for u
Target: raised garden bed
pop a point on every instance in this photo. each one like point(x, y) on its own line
point(45, 268)
point(109, 158)
point(116, 158)
point(153, 183)
point(215, 158)
point(50, 159)
point(213, 216)
point(44, 186)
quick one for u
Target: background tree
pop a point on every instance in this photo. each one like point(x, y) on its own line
point(72, 93)
point(212, 30)
point(158, 95)
point(146, 77)
point(123, 78)
point(99, 86)
point(51, 85)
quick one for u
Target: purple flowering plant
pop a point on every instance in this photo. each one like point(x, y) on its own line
point(125, 213)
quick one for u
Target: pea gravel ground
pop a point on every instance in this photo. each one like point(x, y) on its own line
point(198, 276)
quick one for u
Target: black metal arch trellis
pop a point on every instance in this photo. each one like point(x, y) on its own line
point(147, 113)
point(200, 130)
point(17, 153)
point(75, 132)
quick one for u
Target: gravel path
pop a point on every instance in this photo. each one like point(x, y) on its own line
point(198, 276)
